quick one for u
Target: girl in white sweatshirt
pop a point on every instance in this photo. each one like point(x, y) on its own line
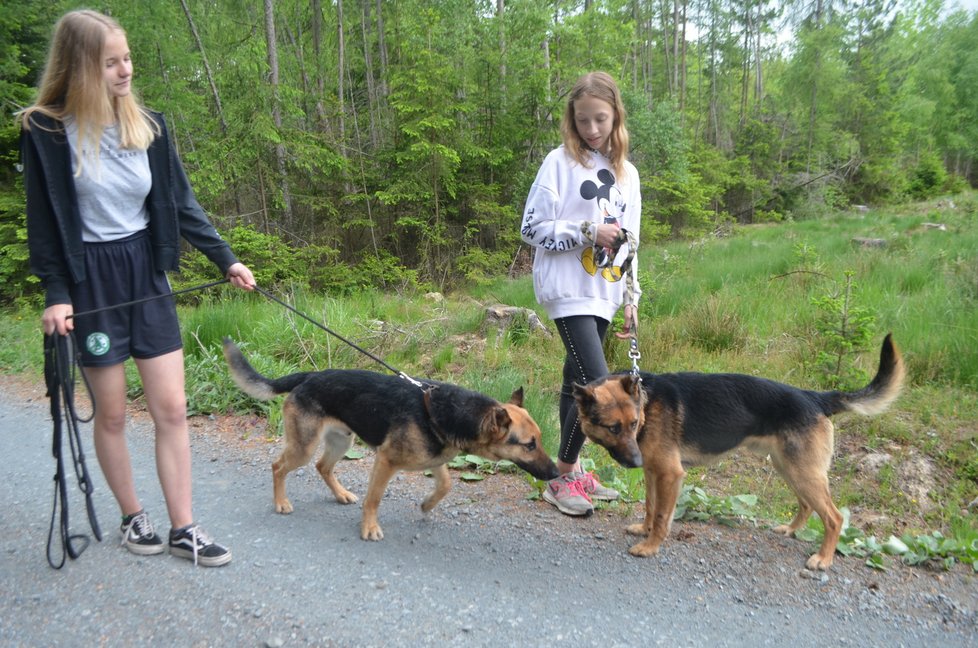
point(582, 218)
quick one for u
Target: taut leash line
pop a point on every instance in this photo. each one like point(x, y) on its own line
point(149, 299)
point(400, 374)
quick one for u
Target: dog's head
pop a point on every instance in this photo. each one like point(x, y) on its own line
point(509, 432)
point(612, 411)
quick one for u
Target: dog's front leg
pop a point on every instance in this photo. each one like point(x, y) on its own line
point(668, 482)
point(380, 476)
point(644, 528)
point(443, 483)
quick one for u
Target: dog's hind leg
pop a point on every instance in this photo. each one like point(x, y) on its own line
point(338, 439)
point(443, 483)
point(380, 476)
point(807, 474)
point(301, 437)
point(804, 508)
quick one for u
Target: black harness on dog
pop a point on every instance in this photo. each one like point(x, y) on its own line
point(60, 361)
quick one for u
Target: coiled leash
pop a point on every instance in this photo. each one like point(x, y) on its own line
point(60, 362)
point(624, 237)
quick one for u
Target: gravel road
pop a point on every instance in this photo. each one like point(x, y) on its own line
point(487, 567)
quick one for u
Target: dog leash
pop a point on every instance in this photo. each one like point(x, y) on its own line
point(59, 374)
point(399, 374)
point(621, 238)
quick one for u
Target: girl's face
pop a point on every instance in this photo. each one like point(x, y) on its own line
point(594, 120)
point(116, 65)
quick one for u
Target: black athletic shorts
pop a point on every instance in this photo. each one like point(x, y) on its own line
point(118, 272)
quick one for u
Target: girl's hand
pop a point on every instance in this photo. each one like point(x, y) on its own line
point(55, 319)
point(606, 234)
point(630, 326)
point(240, 276)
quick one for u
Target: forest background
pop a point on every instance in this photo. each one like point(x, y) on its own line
point(391, 144)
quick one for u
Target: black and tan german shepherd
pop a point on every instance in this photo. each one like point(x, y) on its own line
point(664, 422)
point(411, 427)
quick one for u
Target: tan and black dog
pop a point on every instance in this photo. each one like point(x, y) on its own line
point(664, 422)
point(411, 428)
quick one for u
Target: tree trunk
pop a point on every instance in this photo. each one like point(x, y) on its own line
point(341, 68)
point(500, 12)
point(273, 79)
point(368, 71)
point(382, 49)
point(682, 65)
point(207, 67)
point(317, 46)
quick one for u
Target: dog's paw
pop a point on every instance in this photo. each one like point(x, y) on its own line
point(644, 549)
point(283, 506)
point(371, 532)
point(818, 563)
point(637, 529)
point(785, 530)
point(346, 497)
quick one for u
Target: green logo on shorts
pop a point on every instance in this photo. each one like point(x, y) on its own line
point(97, 343)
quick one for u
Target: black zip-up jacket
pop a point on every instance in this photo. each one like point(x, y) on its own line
point(54, 231)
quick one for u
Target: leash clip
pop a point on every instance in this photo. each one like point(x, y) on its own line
point(634, 354)
point(411, 380)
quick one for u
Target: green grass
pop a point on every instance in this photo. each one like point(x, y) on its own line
point(753, 302)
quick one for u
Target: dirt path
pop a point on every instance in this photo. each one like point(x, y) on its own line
point(487, 567)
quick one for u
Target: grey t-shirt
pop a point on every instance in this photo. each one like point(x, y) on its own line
point(112, 187)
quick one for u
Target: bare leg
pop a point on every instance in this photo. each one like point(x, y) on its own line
point(163, 385)
point(109, 433)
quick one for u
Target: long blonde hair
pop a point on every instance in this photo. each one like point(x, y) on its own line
point(73, 85)
point(599, 85)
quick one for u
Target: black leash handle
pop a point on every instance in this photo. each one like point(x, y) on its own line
point(59, 374)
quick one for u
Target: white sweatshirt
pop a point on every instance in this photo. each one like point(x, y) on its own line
point(565, 202)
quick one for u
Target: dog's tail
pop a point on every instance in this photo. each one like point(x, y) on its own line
point(253, 383)
point(879, 394)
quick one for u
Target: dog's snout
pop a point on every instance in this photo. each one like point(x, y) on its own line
point(630, 458)
point(545, 470)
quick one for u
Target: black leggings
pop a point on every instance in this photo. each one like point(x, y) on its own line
point(583, 337)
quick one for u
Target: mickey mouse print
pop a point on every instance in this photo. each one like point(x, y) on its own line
point(572, 275)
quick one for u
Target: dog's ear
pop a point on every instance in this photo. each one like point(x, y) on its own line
point(498, 421)
point(632, 386)
point(583, 394)
point(517, 397)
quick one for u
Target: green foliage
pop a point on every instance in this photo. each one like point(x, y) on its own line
point(423, 149)
point(714, 327)
point(846, 330)
point(384, 270)
point(14, 273)
point(929, 177)
point(931, 548)
point(695, 504)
